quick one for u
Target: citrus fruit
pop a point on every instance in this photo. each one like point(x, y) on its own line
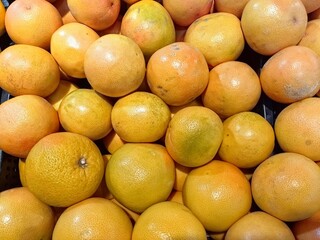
point(176, 196)
point(291, 74)
point(86, 112)
point(307, 228)
point(149, 24)
point(64, 168)
point(181, 175)
point(129, 2)
point(218, 194)
point(177, 73)
point(216, 43)
point(140, 174)
point(114, 65)
point(112, 141)
point(297, 128)
point(102, 190)
point(180, 32)
point(248, 172)
point(259, 225)
point(68, 46)
point(62, 7)
point(22, 171)
point(93, 218)
point(144, 86)
point(23, 216)
point(27, 69)
point(27, 22)
point(232, 82)
point(271, 25)
point(194, 136)
point(24, 120)
point(311, 36)
point(60, 92)
point(168, 220)
point(139, 109)
point(230, 6)
point(97, 14)
point(114, 28)
point(183, 13)
point(2, 17)
point(217, 235)
point(132, 215)
point(311, 5)
point(64, 76)
point(248, 139)
point(57, 211)
point(195, 102)
point(284, 186)
point(314, 15)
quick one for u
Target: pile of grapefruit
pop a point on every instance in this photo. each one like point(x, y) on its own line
point(142, 119)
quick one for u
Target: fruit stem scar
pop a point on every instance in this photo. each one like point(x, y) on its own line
point(294, 19)
point(83, 162)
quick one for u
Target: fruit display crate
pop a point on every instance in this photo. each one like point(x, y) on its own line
point(6, 2)
point(9, 171)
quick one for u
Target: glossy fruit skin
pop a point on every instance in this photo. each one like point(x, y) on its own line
point(266, 31)
point(72, 158)
point(248, 140)
point(230, 82)
point(140, 109)
point(93, 218)
point(178, 73)
point(26, 22)
point(311, 5)
point(184, 13)
point(86, 112)
point(217, 44)
point(194, 135)
point(259, 224)
point(27, 69)
point(221, 189)
point(68, 46)
point(290, 75)
point(169, 219)
point(284, 186)
point(137, 166)
point(307, 228)
point(149, 24)
point(311, 35)
point(24, 216)
point(61, 91)
point(114, 65)
point(96, 14)
point(296, 128)
point(231, 6)
point(31, 118)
